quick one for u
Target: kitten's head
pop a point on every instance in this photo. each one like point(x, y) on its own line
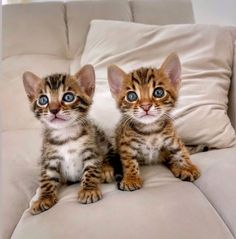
point(146, 94)
point(60, 100)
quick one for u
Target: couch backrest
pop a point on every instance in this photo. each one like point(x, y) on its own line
point(161, 12)
point(37, 28)
point(79, 14)
point(57, 28)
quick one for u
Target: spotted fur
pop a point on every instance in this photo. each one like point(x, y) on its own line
point(145, 134)
point(74, 149)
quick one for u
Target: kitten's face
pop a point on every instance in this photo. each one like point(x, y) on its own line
point(60, 100)
point(146, 94)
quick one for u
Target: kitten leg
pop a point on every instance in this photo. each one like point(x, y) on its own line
point(49, 184)
point(90, 191)
point(107, 151)
point(131, 175)
point(131, 180)
point(111, 167)
point(179, 162)
point(107, 174)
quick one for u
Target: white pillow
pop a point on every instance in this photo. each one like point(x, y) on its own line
point(206, 53)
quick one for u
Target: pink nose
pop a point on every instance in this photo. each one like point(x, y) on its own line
point(146, 107)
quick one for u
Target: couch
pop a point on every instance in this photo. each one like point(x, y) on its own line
point(48, 37)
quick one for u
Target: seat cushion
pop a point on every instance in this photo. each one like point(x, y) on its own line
point(217, 182)
point(150, 212)
point(20, 150)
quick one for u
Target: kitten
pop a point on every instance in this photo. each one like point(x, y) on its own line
point(73, 148)
point(145, 134)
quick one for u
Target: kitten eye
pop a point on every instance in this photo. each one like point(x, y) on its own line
point(43, 100)
point(132, 96)
point(158, 92)
point(68, 97)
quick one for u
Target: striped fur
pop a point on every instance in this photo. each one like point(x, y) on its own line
point(74, 149)
point(145, 134)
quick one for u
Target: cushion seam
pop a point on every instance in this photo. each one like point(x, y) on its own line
point(216, 211)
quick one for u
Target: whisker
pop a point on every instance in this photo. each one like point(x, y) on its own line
point(127, 121)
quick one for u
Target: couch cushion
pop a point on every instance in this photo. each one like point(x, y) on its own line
point(80, 13)
point(34, 29)
point(206, 53)
point(150, 212)
point(15, 110)
point(218, 182)
point(162, 12)
point(20, 150)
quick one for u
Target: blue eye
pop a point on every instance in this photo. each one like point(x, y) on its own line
point(132, 96)
point(68, 97)
point(158, 92)
point(43, 100)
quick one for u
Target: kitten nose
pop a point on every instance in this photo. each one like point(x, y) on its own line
point(146, 107)
point(54, 111)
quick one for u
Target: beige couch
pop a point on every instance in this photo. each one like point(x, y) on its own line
point(50, 37)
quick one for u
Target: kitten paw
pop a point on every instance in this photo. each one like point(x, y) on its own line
point(107, 175)
point(89, 196)
point(130, 184)
point(43, 204)
point(187, 173)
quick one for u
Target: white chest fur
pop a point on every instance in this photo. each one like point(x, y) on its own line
point(71, 164)
point(150, 150)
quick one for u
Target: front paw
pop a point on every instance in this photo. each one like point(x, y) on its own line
point(186, 173)
point(87, 196)
point(130, 184)
point(43, 204)
point(107, 174)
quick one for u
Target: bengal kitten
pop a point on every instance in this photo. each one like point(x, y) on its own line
point(145, 134)
point(74, 149)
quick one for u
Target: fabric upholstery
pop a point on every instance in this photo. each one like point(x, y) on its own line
point(217, 182)
point(41, 30)
point(79, 14)
point(20, 151)
point(206, 70)
point(162, 12)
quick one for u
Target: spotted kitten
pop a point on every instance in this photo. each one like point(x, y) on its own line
point(74, 149)
point(145, 134)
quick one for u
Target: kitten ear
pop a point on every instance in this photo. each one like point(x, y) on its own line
point(86, 79)
point(31, 84)
point(172, 68)
point(115, 78)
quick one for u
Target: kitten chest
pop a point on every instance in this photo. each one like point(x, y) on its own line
point(71, 165)
point(150, 150)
